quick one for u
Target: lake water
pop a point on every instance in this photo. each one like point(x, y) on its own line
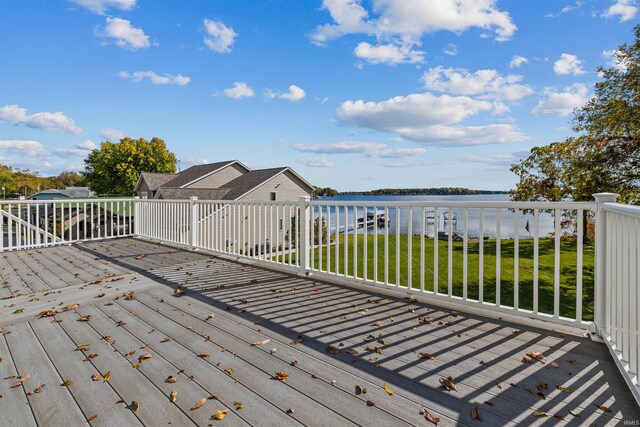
point(507, 218)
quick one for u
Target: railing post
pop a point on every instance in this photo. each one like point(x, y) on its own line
point(305, 217)
point(193, 222)
point(600, 297)
point(136, 216)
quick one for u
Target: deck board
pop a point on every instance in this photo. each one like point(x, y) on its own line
point(251, 304)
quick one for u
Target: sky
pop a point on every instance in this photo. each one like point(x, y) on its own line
point(352, 94)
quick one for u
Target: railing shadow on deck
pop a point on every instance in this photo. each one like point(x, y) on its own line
point(240, 285)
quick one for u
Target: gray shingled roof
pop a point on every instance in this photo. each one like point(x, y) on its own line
point(249, 181)
point(185, 193)
point(156, 180)
point(193, 173)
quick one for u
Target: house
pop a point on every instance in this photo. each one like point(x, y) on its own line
point(67, 193)
point(230, 180)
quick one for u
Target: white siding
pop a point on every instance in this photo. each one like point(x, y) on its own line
point(286, 186)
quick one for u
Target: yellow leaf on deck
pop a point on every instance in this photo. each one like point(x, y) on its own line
point(144, 357)
point(24, 378)
point(203, 355)
point(199, 403)
point(107, 376)
point(219, 415)
point(229, 371)
point(281, 376)
point(540, 414)
point(67, 383)
point(173, 396)
point(388, 390)
point(239, 405)
point(95, 377)
point(261, 342)
point(167, 339)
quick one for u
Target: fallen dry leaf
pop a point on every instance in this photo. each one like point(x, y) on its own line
point(563, 389)
point(66, 383)
point(173, 396)
point(370, 403)
point(351, 351)
point(199, 403)
point(95, 377)
point(475, 413)
point(134, 406)
point(281, 376)
point(448, 383)
point(84, 318)
point(170, 379)
point(333, 350)
point(388, 390)
point(219, 415)
point(106, 377)
point(92, 417)
point(239, 405)
point(261, 342)
point(602, 408)
point(422, 355)
point(298, 340)
point(540, 414)
point(360, 390)
point(144, 357)
point(24, 378)
point(229, 371)
point(429, 417)
point(538, 356)
point(204, 355)
point(167, 339)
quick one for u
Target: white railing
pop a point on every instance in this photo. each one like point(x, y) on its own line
point(566, 263)
point(618, 299)
point(38, 223)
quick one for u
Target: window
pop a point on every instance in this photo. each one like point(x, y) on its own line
point(273, 195)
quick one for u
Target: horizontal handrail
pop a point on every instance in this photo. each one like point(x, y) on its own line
point(629, 210)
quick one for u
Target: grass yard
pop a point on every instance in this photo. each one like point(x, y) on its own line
point(568, 269)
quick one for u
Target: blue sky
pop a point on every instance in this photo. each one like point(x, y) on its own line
point(352, 94)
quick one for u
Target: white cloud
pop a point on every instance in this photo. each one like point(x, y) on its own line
point(219, 37)
point(344, 147)
point(517, 61)
point(396, 153)
point(563, 102)
point(80, 150)
point(388, 54)
point(14, 114)
point(24, 147)
point(488, 84)
point(369, 149)
point(154, 78)
point(409, 20)
point(100, 6)
point(451, 49)
point(124, 34)
point(614, 60)
point(427, 119)
point(295, 94)
point(317, 162)
point(626, 9)
point(568, 8)
point(238, 91)
point(112, 134)
point(568, 64)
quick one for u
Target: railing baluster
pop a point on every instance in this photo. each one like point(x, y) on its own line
point(579, 266)
point(422, 247)
point(450, 253)
point(345, 268)
point(498, 255)
point(536, 254)
point(320, 237)
point(481, 258)
point(386, 245)
point(365, 226)
point(465, 254)
point(516, 259)
point(355, 242)
point(397, 247)
point(436, 225)
point(337, 254)
point(409, 244)
point(556, 265)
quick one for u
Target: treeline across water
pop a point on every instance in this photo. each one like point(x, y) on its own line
point(443, 191)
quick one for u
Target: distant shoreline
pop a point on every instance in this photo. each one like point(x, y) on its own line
point(446, 191)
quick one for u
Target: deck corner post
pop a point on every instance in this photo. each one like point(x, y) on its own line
point(304, 207)
point(193, 222)
point(136, 216)
point(600, 297)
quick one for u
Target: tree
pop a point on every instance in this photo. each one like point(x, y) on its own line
point(605, 156)
point(115, 168)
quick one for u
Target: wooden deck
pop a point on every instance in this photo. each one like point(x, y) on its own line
point(203, 339)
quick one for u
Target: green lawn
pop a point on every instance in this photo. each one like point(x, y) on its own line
point(568, 269)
